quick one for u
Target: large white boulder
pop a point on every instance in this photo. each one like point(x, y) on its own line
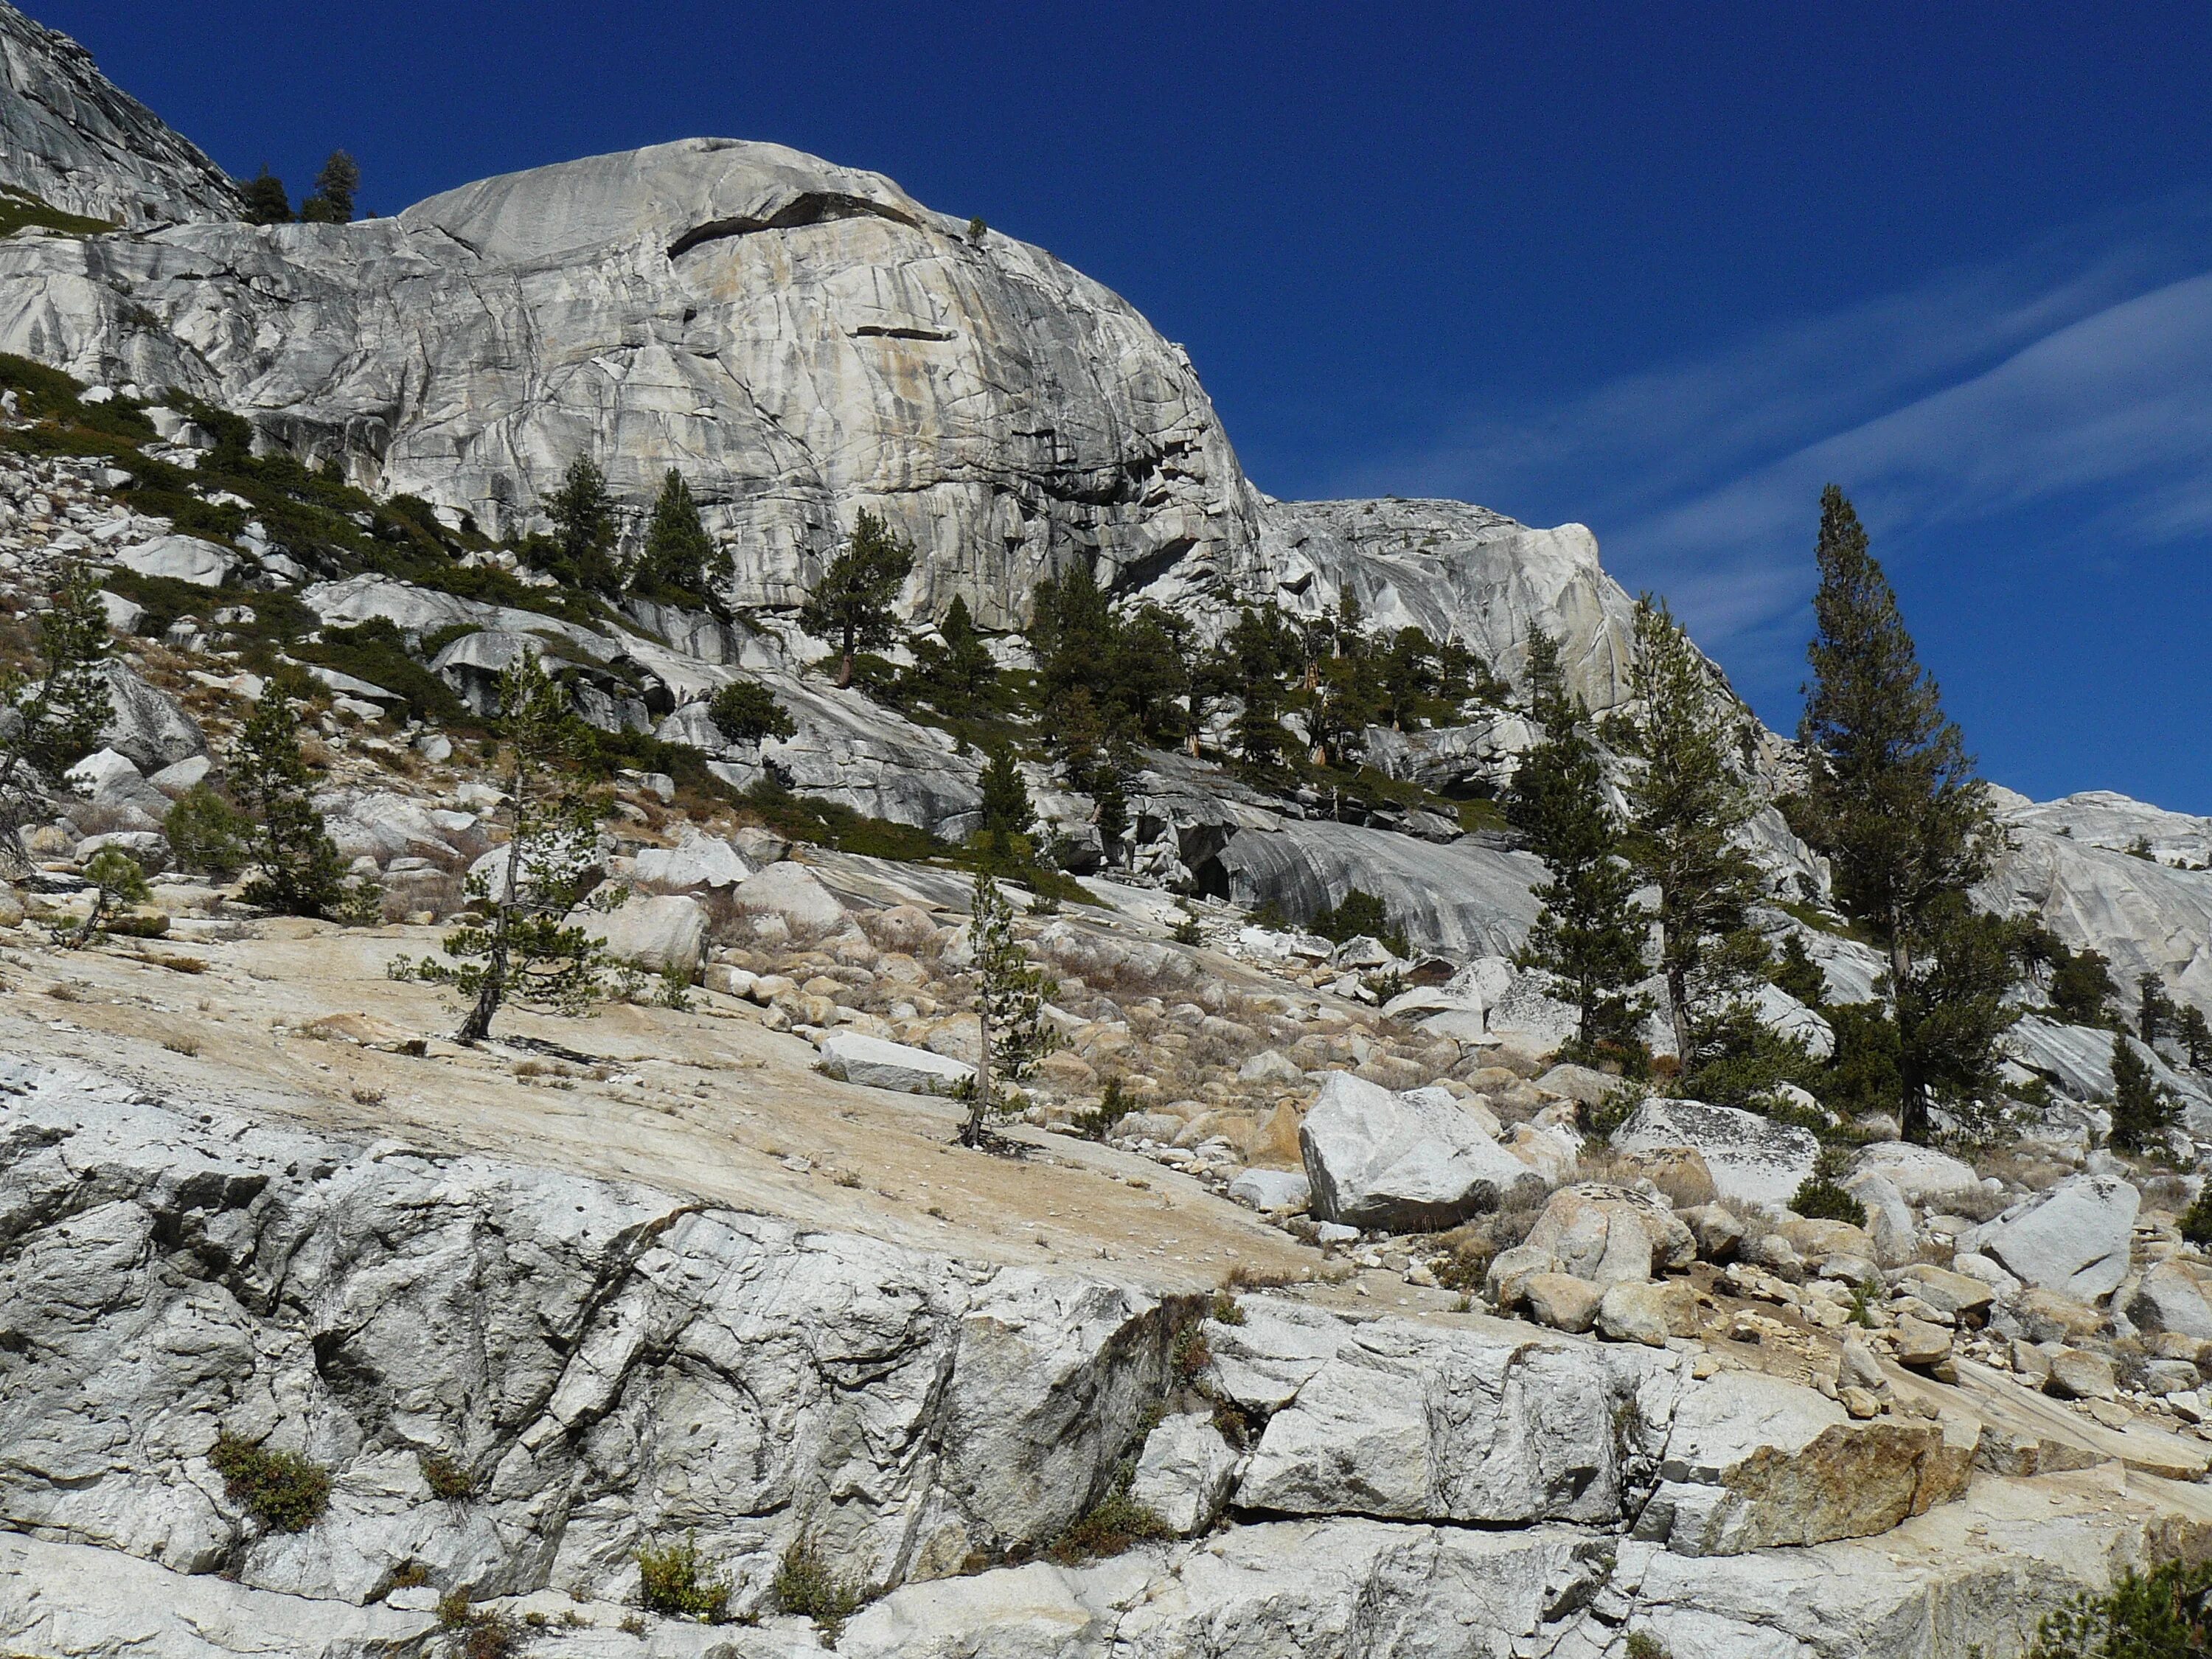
point(658, 931)
point(1608, 1235)
point(875, 1063)
point(2072, 1237)
point(695, 861)
point(1185, 1472)
point(1272, 1189)
point(1401, 1163)
point(2170, 1298)
point(1921, 1175)
point(181, 559)
point(1753, 1159)
point(794, 892)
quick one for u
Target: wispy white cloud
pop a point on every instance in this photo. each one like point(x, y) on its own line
point(2082, 380)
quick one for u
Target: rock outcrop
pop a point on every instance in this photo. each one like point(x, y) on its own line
point(69, 136)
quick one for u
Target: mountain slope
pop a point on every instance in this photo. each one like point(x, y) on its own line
point(70, 137)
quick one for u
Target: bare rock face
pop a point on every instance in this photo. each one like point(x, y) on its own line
point(803, 339)
point(171, 1274)
point(70, 138)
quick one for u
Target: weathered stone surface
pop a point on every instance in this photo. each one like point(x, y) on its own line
point(148, 726)
point(1376, 1159)
point(1921, 1344)
point(791, 890)
point(1185, 1473)
point(2072, 1237)
point(658, 931)
point(181, 559)
point(1921, 1175)
point(1960, 1295)
point(1495, 1426)
point(2170, 1299)
point(542, 1329)
point(70, 138)
point(696, 861)
point(1561, 1300)
point(1607, 1235)
point(2076, 1374)
point(1889, 1220)
point(1639, 1311)
point(875, 1063)
point(1272, 1189)
point(1752, 1159)
point(1717, 1230)
point(1752, 1461)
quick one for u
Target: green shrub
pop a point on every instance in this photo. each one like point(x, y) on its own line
point(206, 834)
point(1361, 912)
point(2197, 1225)
point(447, 1478)
point(2164, 1615)
point(282, 1489)
point(1109, 1527)
point(1820, 1199)
point(671, 1580)
point(804, 1585)
point(1643, 1644)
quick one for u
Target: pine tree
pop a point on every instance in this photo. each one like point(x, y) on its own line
point(2157, 1015)
point(300, 874)
point(955, 673)
point(680, 558)
point(527, 950)
point(1892, 798)
point(583, 515)
point(116, 880)
point(2195, 1035)
point(1010, 997)
point(1590, 933)
point(1686, 808)
point(335, 187)
point(745, 711)
point(266, 203)
point(2142, 1111)
point(60, 708)
point(851, 605)
point(1007, 809)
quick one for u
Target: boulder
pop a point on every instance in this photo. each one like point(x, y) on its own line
point(1272, 1190)
point(1920, 1344)
point(1376, 1159)
point(180, 558)
point(2170, 1299)
point(148, 726)
point(1753, 1160)
point(792, 891)
point(695, 861)
point(1272, 1066)
point(1561, 1300)
point(2072, 1237)
point(658, 931)
point(875, 1063)
point(1647, 1313)
point(186, 774)
point(906, 928)
point(2076, 1374)
point(1185, 1473)
point(1965, 1298)
point(1921, 1175)
point(104, 774)
point(1717, 1229)
point(1609, 1235)
point(1889, 1219)
point(1754, 1463)
point(1579, 1083)
point(147, 848)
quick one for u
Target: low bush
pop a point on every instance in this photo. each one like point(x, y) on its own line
point(1109, 1527)
point(1820, 1199)
point(282, 1489)
point(447, 1478)
point(206, 834)
point(804, 1585)
point(2166, 1613)
point(673, 1580)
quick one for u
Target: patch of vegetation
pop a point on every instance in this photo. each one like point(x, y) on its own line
point(804, 1585)
point(673, 1580)
point(475, 1635)
point(2166, 1613)
point(447, 1478)
point(1820, 1199)
point(1643, 1644)
point(2196, 1224)
point(285, 1492)
point(376, 651)
point(20, 210)
point(206, 834)
point(1109, 1527)
point(1359, 913)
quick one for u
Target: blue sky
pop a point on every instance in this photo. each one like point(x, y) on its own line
point(1661, 270)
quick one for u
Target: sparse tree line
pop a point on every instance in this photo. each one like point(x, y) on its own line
point(330, 202)
point(1891, 800)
